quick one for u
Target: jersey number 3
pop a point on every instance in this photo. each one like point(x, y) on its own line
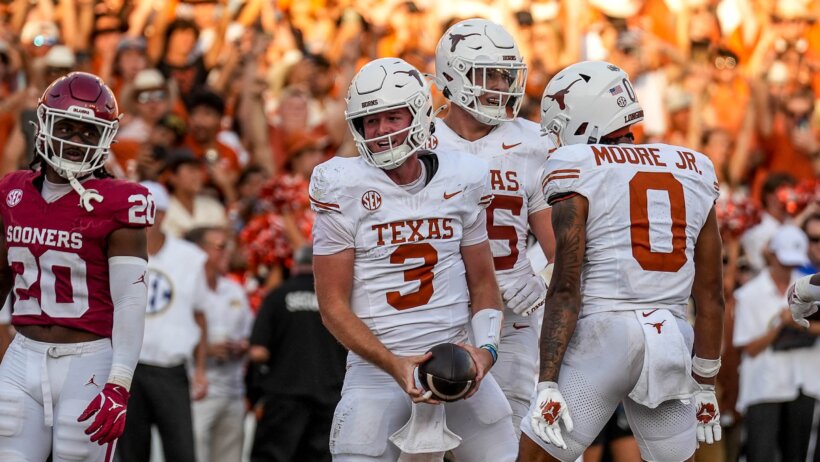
point(640, 184)
point(423, 274)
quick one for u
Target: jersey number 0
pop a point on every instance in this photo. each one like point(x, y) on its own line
point(642, 182)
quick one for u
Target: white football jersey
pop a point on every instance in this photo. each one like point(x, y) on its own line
point(647, 205)
point(515, 152)
point(409, 281)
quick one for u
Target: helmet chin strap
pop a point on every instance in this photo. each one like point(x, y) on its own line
point(86, 195)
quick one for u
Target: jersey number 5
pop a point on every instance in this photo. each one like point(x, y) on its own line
point(62, 280)
point(503, 232)
point(423, 274)
point(639, 218)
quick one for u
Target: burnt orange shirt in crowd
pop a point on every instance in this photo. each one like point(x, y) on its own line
point(781, 156)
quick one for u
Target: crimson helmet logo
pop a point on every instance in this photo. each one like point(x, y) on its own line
point(14, 196)
point(371, 200)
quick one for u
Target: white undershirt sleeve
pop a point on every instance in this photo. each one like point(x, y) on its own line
point(129, 292)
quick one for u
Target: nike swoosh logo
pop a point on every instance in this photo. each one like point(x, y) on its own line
point(451, 195)
point(646, 315)
point(517, 326)
point(509, 146)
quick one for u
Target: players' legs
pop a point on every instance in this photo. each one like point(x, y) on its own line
point(23, 433)
point(372, 408)
point(600, 367)
point(516, 370)
point(617, 438)
point(666, 433)
point(483, 422)
point(75, 380)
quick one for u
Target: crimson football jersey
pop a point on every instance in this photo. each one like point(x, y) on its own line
point(58, 251)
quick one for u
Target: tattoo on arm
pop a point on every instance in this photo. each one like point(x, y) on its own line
point(564, 296)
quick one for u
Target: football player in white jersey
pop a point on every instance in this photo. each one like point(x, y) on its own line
point(480, 70)
point(636, 235)
point(402, 263)
point(804, 298)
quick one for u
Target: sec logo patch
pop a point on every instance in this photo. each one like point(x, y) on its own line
point(14, 196)
point(371, 200)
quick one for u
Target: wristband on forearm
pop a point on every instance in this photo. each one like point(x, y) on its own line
point(706, 368)
point(486, 325)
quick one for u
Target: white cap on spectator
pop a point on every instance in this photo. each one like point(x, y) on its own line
point(790, 245)
point(148, 79)
point(60, 56)
point(160, 194)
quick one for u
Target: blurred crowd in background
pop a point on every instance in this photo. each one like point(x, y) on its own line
point(231, 103)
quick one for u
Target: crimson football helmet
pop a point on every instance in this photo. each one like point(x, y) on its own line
point(77, 97)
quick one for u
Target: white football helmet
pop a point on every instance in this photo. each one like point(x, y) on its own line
point(469, 52)
point(383, 85)
point(587, 101)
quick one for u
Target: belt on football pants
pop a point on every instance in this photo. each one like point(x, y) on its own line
point(52, 350)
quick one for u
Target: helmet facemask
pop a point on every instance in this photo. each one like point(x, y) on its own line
point(395, 153)
point(489, 101)
point(55, 150)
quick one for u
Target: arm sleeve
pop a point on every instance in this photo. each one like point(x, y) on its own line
point(332, 233)
point(129, 292)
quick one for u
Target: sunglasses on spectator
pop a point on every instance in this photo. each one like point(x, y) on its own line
point(149, 96)
point(725, 62)
point(814, 239)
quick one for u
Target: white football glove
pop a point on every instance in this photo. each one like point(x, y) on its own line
point(550, 410)
point(801, 309)
point(707, 414)
point(524, 299)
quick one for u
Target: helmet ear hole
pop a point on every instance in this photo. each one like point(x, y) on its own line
point(581, 129)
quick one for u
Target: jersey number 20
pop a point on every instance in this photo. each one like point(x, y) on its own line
point(53, 269)
point(642, 182)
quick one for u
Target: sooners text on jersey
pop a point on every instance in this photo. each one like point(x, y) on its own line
point(57, 251)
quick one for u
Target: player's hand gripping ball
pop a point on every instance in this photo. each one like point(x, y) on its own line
point(449, 374)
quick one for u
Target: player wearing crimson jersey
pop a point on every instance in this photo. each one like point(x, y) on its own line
point(402, 263)
point(74, 244)
point(636, 235)
point(480, 70)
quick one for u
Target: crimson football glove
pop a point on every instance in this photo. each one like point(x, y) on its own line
point(110, 406)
